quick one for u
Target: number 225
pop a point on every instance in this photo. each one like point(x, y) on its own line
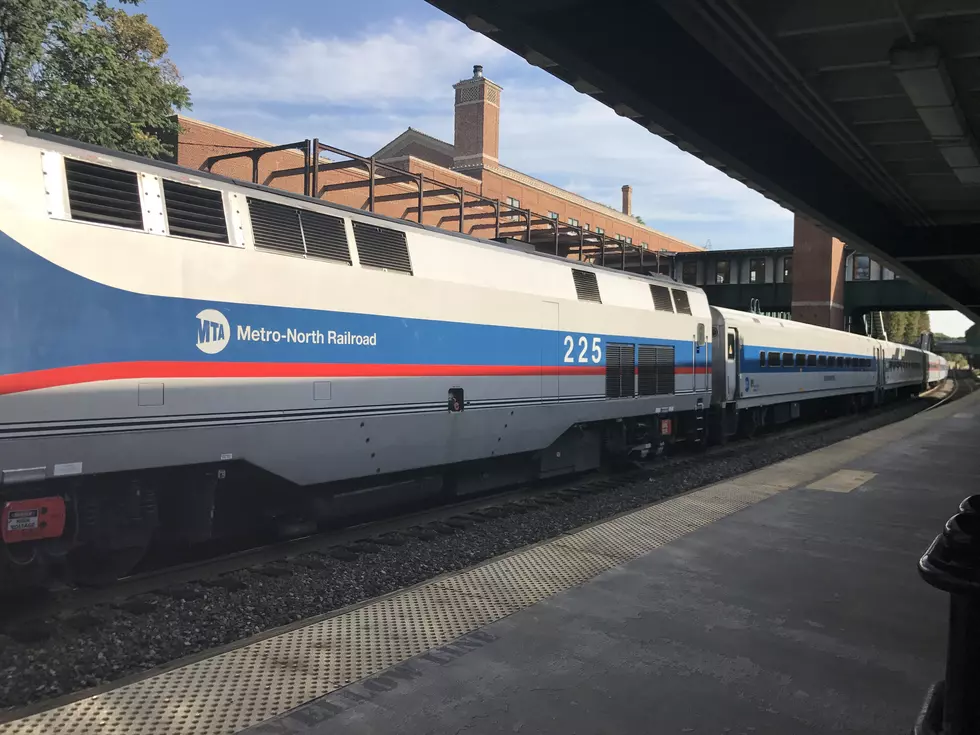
point(584, 352)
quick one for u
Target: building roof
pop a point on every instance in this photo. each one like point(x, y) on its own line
point(582, 201)
point(413, 135)
point(733, 252)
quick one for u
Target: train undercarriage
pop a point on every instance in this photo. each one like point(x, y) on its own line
point(93, 530)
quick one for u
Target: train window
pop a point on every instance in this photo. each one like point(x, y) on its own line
point(811, 360)
point(195, 212)
point(773, 359)
point(787, 359)
point(840, 361)
point(800, 359)
point(822, 361)
point(847, 362)
point(731, 346)
point(102, 194)
point(762, 359)
point(700, 335)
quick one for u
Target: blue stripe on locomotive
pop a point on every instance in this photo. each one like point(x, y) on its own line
point(51, 317)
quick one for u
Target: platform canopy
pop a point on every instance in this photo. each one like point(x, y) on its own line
point(862, 115)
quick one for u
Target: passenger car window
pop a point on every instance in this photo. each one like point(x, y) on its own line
point(822, 361)
point(762, 359)
point(787, 359)
point(800, 359)
point(731, 346)
point(773, 359)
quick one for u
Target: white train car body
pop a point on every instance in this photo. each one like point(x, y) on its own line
point(938, 368)
point(153, 317)
point(763, 361)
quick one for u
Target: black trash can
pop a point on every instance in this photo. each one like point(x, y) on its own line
point(952, 564)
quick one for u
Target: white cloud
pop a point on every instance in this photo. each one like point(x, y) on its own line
point(405, 62)
point(358, 93)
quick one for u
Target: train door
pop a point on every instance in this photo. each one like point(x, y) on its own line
point(731, 364)
point(550, 351)
point(701, 361)
point(880, 366)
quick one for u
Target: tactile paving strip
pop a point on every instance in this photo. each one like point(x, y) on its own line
point(243, 687)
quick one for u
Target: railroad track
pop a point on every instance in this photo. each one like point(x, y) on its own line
point(365, 538)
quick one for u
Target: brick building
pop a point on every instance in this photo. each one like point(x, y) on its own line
point(463, 177)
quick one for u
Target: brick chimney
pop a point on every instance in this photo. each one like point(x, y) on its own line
point(627, 200)
point(477, 133)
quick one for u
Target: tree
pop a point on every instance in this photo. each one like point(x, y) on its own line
point(639, 219)
point(925, 323)
point(973, 334)
point(82, 69)
point(895, 324)
point(912, 331)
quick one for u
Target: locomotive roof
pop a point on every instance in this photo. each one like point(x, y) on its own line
point(56, 142)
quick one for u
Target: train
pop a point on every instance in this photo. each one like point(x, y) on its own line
point(184, 356)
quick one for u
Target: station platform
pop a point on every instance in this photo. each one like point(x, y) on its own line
point(783, 601)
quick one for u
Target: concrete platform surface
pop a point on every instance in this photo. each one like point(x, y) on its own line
point(800, 613)
point(782, 601)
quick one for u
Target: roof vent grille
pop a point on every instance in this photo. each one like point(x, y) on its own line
point(276, 227)
point(661, 298)
point(325, 237)
point(681, 301)
point(586, 285)
point(102, 194)
point(379, 247)
point(195, 212)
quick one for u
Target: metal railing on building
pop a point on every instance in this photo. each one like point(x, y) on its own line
point(466, 211)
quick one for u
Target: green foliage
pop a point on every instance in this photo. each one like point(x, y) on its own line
point(973, 334)
point(639, 219)
point(88, 71)
point(906, 326)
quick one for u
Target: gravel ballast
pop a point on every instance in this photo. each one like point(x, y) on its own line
point(68, 652)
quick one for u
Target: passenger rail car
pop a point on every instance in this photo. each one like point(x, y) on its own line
point(164, 333)
point(767, 370)
point(938, 369)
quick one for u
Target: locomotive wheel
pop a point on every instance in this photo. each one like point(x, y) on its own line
point(89, 566)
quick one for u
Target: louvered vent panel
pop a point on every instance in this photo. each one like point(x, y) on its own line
point(656, 370)
point(325, 237)
point(661, 298)
point(620, 370)
point(681, 301)
point(586, 285)
point(379, 247)
point(195, 212)
point(613, 367)
point(102, 194)
point(665, 370)
point(647, 370)
point(276, 227)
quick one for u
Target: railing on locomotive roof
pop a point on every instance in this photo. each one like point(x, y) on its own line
point(508, 221)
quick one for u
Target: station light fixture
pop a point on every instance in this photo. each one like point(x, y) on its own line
point(921, 71)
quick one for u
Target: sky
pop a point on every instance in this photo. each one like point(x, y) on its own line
point(357, 74)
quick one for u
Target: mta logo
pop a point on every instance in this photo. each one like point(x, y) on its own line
point(213, 331)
